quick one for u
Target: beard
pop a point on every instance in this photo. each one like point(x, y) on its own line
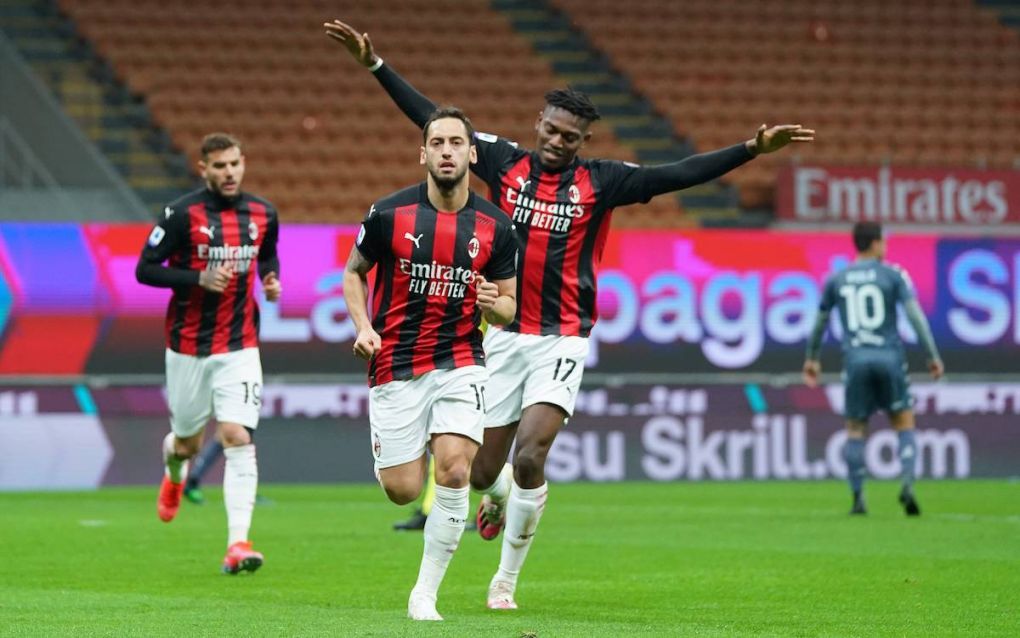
point(447, 183)
point(217, 188)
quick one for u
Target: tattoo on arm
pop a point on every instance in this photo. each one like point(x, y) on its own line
point(357, 263)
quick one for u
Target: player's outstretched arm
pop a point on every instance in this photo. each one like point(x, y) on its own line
point(770, 140)
point(704, 167)
point(415, 106)
point(357, 44)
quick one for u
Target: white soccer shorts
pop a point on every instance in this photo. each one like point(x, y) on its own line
point(404, 415)
point(528, 369)
point(227, 386)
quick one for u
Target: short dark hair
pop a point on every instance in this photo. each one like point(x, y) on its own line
point(218, 142)
point(444, 112)
point(573, 101)
point(866, 233)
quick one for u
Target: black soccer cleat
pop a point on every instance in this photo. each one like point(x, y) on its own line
point(909, 503)
point(416, 522)
point(859, 508)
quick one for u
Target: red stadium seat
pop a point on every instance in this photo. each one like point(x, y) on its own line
point(880, 83)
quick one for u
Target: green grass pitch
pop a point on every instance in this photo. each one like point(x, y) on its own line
point(631, 559)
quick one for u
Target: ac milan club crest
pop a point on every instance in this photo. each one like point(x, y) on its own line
point(473, 247)
point(574, 193)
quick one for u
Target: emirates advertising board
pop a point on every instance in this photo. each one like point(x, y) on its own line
point(898, 195)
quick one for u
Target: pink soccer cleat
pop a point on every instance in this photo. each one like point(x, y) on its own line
point(241, 558)
point(421, 606)
point(501, 595)
point(490, 519)
point(169, 500)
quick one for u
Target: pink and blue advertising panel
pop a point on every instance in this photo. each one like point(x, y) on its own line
point(685, 301)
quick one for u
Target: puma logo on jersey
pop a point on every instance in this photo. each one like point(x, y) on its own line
point(412, 238)
point(523, 183)
point(207, 230)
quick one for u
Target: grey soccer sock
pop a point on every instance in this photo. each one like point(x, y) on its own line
point(853, 454)
point(908, 458)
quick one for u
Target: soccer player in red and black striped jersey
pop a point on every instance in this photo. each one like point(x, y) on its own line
point(209, 247)
point(561, 205)
point(444, 258)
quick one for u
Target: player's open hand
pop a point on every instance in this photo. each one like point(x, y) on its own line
point(367, 344)
point(215, 280)
point(271, 286)
point(936, 368)
point(488, 292)
point(770, 140)
point(358, 44)
point(811, 372)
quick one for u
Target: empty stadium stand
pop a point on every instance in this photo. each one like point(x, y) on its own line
point(322, 139)
point(915, 82)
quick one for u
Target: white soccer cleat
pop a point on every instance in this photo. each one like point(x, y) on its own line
point(422, 607)
point(501, 595)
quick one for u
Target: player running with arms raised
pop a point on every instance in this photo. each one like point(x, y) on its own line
point(561, 205)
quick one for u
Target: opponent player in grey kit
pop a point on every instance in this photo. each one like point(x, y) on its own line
point(874, 366)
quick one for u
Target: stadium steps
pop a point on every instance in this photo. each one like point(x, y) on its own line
point(633, 118)
point(115, 121)
point(1007, 10)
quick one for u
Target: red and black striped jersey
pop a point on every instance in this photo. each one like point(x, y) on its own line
point(562, 220)
point(202, 231)
point(423, 300)
point(563, 217)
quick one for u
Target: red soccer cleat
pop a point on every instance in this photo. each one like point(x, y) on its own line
point(491, 518)
point(169, 500)
point(241, 558)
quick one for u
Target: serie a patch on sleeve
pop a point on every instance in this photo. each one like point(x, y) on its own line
point(156, 236)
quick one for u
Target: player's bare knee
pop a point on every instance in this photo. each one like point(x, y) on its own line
point(453, 472)
point(483, 475)
point(187, 448)
point(529, 466)
point(401, 493)
point(233, 435)
point(902, 420)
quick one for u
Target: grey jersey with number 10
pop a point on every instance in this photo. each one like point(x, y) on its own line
point(867, 293)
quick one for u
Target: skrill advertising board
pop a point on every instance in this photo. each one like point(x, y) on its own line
point(686, 301)
point(79, 437)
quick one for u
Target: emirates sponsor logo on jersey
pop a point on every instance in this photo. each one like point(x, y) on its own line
point(539, 213)
point(237, 258)
point(437, 280)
